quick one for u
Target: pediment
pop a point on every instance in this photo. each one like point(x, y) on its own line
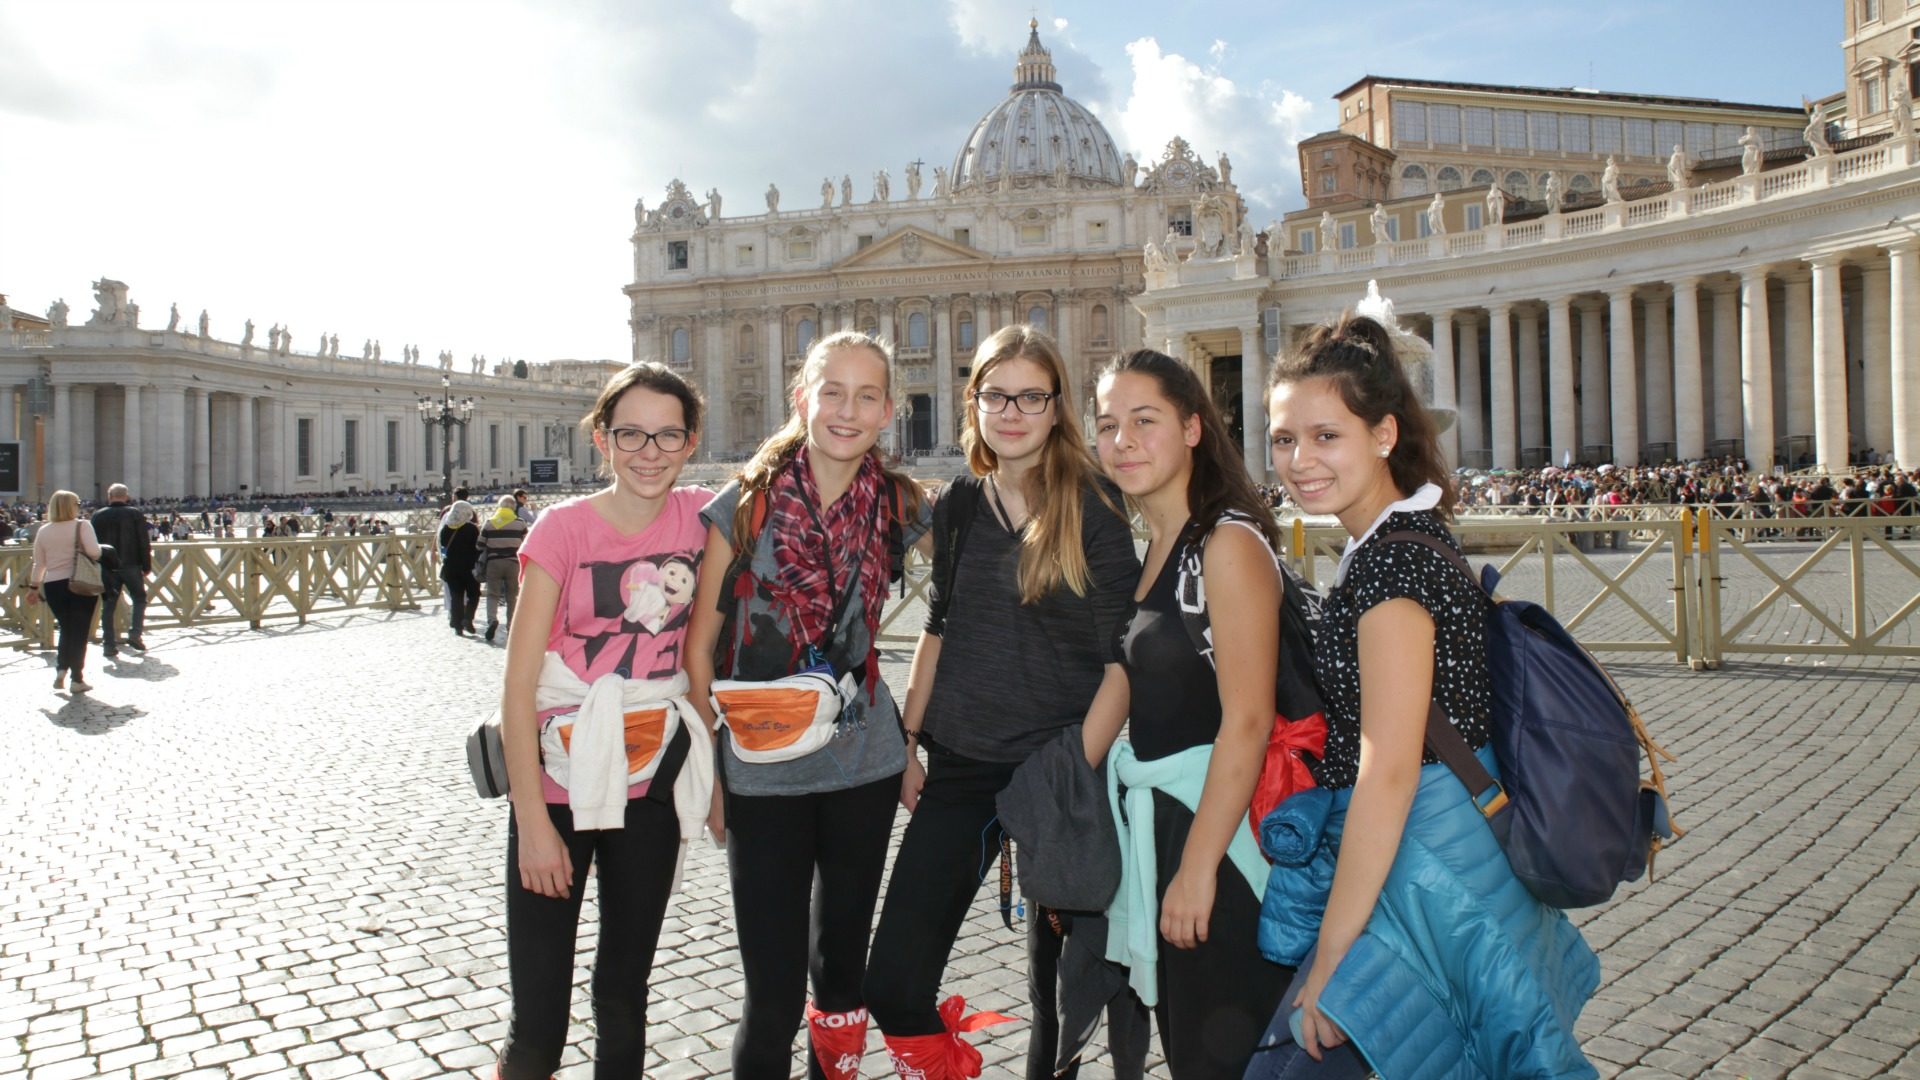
point(911, 246)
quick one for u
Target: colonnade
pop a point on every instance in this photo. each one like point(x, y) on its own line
point(1799, 363)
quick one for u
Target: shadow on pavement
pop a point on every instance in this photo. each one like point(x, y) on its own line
point(86, 715)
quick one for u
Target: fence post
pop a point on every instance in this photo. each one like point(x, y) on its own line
point(1686, 589)
point(1710, 599)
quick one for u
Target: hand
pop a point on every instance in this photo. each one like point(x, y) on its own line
point(717, 815)
point(1186, 907)
point(33, 595)
point(912, 781)
point(1316, 1031)
point(546, 867)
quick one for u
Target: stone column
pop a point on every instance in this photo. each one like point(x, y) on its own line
point(1726, 361)
point(886, 308)
point(1831, 438)
point(59, 451)
point(1564, 430)
point(1658, 386)
point(1253, 403)
point(1595, 393)
point(1799, 319)
point(170, 442)
point(202, 435)
point(1473, 423)
point(6, 422)
point(133, 448)
point(1756, 371)
point(777, 396)
point(86, 441)
point(1443, 384)
point(1903, 342)
point(1066, 336)
point(1623, 379)
point(249, 460)
point(714, 367)
point(1877, 363)
point(1506, 438)
point(944, 431)
point(1689, 389)
point(1532, 407)
point(220, 463)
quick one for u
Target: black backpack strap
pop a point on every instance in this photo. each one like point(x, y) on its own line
point(953, 519)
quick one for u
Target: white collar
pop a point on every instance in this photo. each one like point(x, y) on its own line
point(1426, 498)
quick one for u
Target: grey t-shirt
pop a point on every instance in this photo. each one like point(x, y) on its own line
point(869, 748)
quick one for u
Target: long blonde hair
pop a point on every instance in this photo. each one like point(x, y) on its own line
point(781, 446)
point(1051, 553)
point(63, 505)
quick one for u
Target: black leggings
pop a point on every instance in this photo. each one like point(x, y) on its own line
point(464, 592)
point(73, 614)
point(635, 866)
point(806, 874)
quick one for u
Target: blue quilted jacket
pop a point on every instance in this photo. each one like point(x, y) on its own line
point(1460, 972)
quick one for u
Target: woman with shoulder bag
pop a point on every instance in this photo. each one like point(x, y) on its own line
point(807, 535)
point(57, 547)
point(1197, 728)
point(1017, 645)
point(607, 764)
point(460, 541)
point(1431, 958)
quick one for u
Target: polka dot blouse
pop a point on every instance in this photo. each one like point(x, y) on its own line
point(1380, 572)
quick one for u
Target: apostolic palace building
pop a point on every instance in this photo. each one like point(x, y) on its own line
point(1602, 276)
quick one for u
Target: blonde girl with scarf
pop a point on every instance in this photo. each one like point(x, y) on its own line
point(578, 669)
point(814, 514)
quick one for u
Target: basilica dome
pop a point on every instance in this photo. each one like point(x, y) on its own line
point(1038, 135)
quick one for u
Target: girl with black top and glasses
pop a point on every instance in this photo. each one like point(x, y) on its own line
point(1016, 649)
point(799, 551)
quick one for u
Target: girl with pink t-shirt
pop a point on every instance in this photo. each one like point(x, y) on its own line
point(607, 585)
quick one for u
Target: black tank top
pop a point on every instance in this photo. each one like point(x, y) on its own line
point(1176, 702)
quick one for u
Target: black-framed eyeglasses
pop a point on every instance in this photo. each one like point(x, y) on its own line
point(1031, 402)
point(632, 440)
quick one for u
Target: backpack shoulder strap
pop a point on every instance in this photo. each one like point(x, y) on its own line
point(1190, 592)
point(1445, 549)
point(953, 519)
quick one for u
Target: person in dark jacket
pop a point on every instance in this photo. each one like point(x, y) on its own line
point(125, 530)
point(500, 561)
point(460, 542)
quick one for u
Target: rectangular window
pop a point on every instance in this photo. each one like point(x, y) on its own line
point(676, 254)
point(743, 255)
point(1326, 182)
point(799, 250)
point(1870, 94)
point(1033, 234)
point(1423, 225)
point(1326, 157)
point(1348, 237)
point(520, 447)
point(1513, 129)
point(1576, 133)
point(1869, 10)
point(393, 446)
point(1409, 122)
point(1543, 130)
point(1180, 221)
point(1668, 134)
point(1443, 124)
point(1639, 136)
point(1699, 142)
point(1393, 228)
point(1606, 135)
point(1479, 126)
point(350, 448)
point(863, 242)
point(303, 448)
point(963, 236)
point(1306, 241)
point(1096, 232)
point(493, 446)
point(1726, 139)
point(1474, 219)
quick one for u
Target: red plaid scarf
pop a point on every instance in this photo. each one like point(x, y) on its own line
point(809, 559)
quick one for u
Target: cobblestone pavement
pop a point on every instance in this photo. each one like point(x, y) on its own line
point(255, 853)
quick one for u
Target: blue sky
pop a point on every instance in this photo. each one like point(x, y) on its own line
point(461, 175)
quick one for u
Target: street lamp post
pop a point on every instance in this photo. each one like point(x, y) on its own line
point(447, 414)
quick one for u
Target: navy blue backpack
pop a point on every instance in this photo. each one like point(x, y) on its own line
point(1570, 809)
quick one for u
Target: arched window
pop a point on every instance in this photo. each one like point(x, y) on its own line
point(746, 341)
point(917, 330)
point(1413, 180)
point(1098, 316)
point(803, 336)
point(1516, 183)
point(1580, 182)
point(963, 330)
point(1037, 317)
point(1450, 179)
point(1482, 176)
point(682, 346)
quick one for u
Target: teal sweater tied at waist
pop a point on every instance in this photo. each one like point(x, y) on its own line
point(1133, 918)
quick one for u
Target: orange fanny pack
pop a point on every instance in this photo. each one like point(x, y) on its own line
point(781, 719)
point(646, 729)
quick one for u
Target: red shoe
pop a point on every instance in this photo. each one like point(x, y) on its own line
point(944, 1056)
point(839, 1041)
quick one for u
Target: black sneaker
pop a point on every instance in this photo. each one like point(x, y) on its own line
point(492, 629)
point(136, 646)
point(111, 654)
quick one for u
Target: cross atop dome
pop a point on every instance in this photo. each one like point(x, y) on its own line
point(1034, 68)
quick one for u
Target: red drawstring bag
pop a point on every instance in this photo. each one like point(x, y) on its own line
point(1284, 771)
point(944, 1056)
point(839, 1041)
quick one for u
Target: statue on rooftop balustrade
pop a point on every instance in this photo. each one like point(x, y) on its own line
point(173, 318)
point(1750, 153)
point(773, 199)
point(57, 314)
point(1437, 215)
point(1679, 169)
point(1610, 181)
point(1377, 221)
point(1816, 135)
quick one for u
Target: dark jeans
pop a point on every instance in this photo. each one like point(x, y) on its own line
point(806, 874)
point(635, 865)
point(1216, 998)
point(73, 614)
point(463, 594)
point(135, 584)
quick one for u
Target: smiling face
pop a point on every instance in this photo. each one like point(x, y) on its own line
point(1331, 460)
point(649, 472)
point(845, 404)
point(1144, 444)
point(1015, 437)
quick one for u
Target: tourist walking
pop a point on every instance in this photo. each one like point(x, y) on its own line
point(1197, 725)
point(459, 554)
point(608, 766)
point(822, 525)
point(1431, 957)
point(500, 561)
point(124, 529)
point(1019, 639)
point(64, 534)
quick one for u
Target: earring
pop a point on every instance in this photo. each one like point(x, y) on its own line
point(1386, 450)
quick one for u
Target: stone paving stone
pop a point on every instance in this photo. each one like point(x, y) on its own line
point(326, 901)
